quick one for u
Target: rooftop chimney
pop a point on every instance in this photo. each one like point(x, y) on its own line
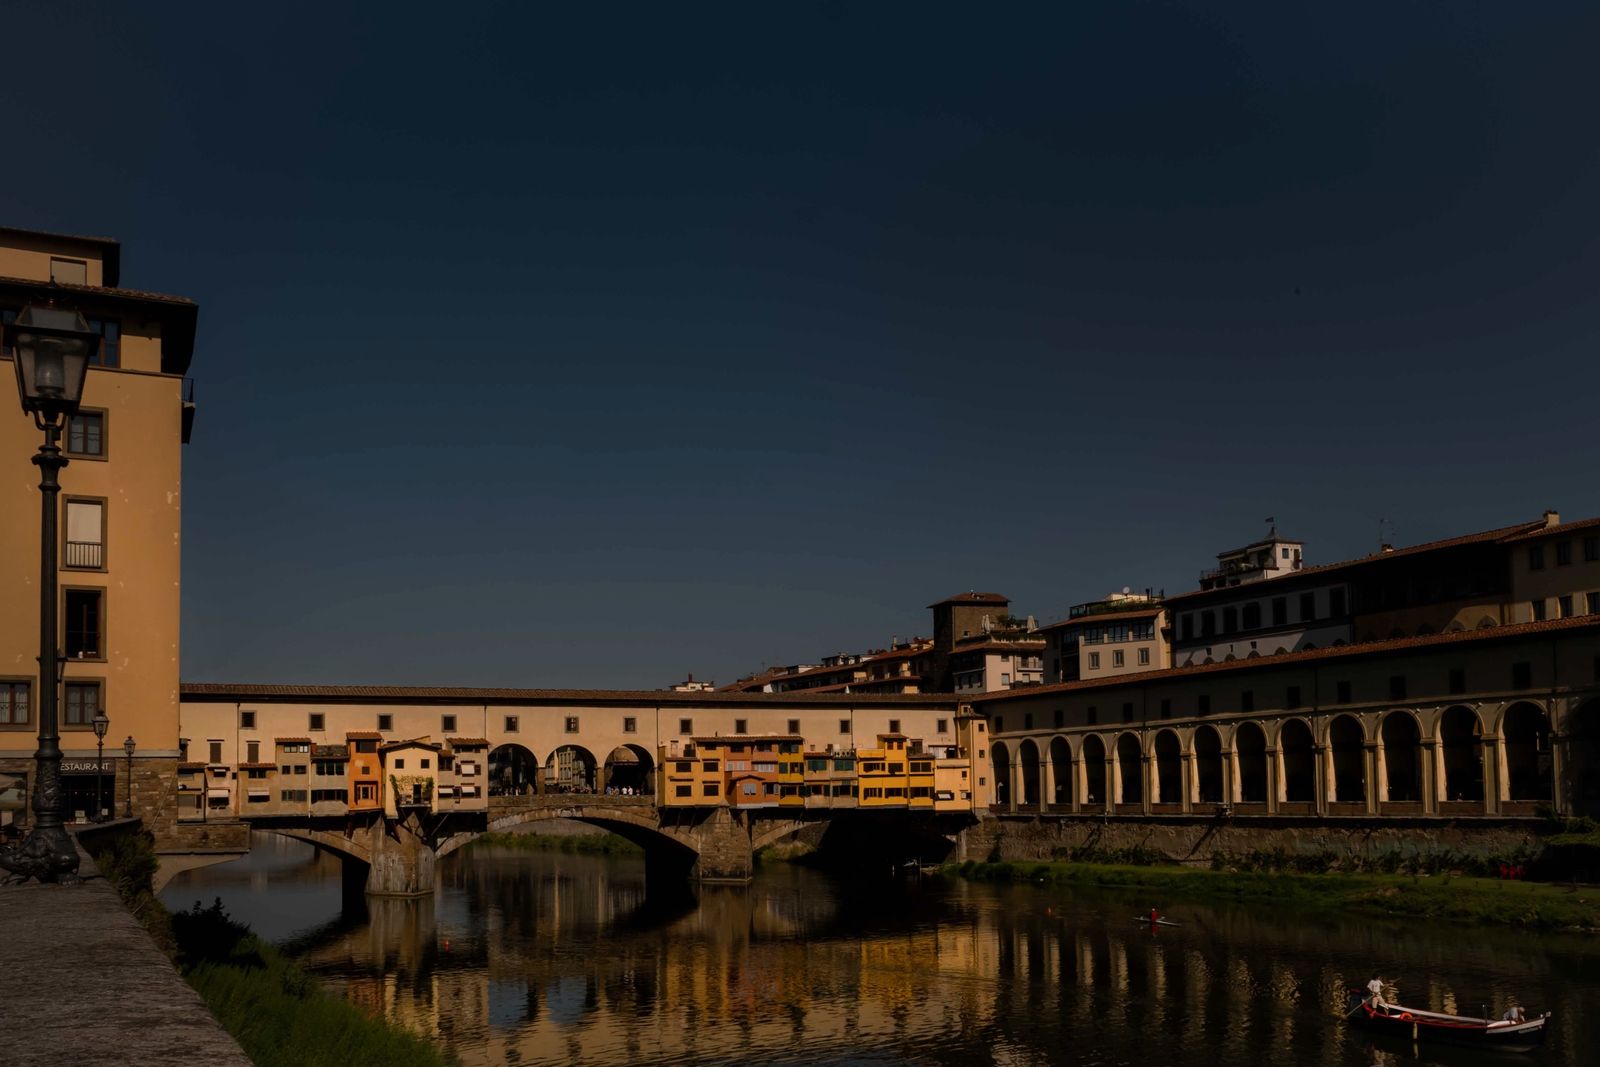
point(1552, 517)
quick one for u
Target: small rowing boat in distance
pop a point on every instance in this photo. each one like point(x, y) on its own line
point(1154, 922)
point(1418, 1025)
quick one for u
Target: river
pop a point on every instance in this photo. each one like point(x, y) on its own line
point(550, 958)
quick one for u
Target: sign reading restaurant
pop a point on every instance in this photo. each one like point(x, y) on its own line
point(87, 766)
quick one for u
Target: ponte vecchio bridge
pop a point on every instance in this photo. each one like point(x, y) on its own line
point(392, 779)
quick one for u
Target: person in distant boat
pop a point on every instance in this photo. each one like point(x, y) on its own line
point(1375, 994)
point(1514, 1014)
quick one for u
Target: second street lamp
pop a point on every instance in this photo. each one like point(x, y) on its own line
point(102, 723)
point(128, 746)
point(50, 349)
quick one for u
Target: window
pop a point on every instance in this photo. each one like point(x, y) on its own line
point(1166, 708)
point(69, 271)
point(1280, 611)
point(894, 726)
point(1537, 607)
point(1593, 603)
point(1005, 679)
point(1342, 689)
point(1291, 699)
point(110, 351)
point(999, 723)
point(942, 726)
point(1591, 549)
point(1027, 720)
point(335, 768)
point(247, 720)
point(1308, 606)
point(572, 724)
point(400, 764)
point(1208, 623)
point(1252, 616)
point(1230, 620)
point(16, 702)
point(385, 723)
point(1116, 657)
point(1522, 676)
point(293, 795)
point(682, 790)
point(425, 764)
point(511, 724)
point(1458, 680)
point(794, 726)
point(844, 726)
point(85, 623)
point(1336, 602)
point(83, 700)
point(252, 752)
point(1536, 558)
point(1187, 628)
point(1094, 661)
point(447, 724)
point(686, 726)
point(630, 725)
point(1060, 717)
point(1564, 606)
point(258, 773)
point(1247, 700)
point(709, 789)
point(1127, 712)
point(86, 434)
point(1563, 553)
point(1397, 687)
point(316, 720)
point(739, 726)
point(1203, 703)
point(215, 752)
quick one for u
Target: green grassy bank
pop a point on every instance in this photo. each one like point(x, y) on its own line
point(280, 1015)
point(586, 844)
point(1453, 898)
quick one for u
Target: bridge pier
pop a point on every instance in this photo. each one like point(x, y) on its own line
point(403, 859)
point(726, 851)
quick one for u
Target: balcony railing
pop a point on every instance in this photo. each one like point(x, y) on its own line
point(89, 555)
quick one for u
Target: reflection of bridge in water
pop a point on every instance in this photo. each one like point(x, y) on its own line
point(398, 857)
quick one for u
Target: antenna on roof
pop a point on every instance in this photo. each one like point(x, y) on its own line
point(1385, 540)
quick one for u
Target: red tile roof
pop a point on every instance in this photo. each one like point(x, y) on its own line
point(1371, 648)
point(1106, 616)
point(363, 735)
point(415, 742)
point(740, 739)
point(291, 740)
point(1555, 531)
point(468, 742)
point(357, 694)
point(973, 598)
point(1029, 645)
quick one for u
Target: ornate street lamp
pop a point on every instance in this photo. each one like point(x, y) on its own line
point(128, 746)
point(50, 349)
point(102, 723)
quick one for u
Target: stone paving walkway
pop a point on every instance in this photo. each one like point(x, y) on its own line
point(85, 985)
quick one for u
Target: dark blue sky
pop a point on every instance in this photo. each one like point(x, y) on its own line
point(594, 348)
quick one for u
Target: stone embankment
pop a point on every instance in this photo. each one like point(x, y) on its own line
point(87, 985)
point(1025, 838)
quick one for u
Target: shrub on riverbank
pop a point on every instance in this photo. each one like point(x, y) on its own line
point(277, 1012)
point(584, 844)
point(1485, 901)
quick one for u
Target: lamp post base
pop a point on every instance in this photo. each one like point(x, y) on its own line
point(47, 853)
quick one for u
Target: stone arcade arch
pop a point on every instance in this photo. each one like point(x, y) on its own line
point(1461, 744)
point(1525, 729)
point(1250, 747)
point(1130, 770)
point(1000, 763)
point(1028, 757)
point(1094, 771)
point(1582, 757)
point(630, 768)
point(1207, 765)
point(1402, 757)
point(570, 769)
point(1169, 768)
point(1347, 752)
point(1297, 750)
point(513, 771)
point(1060, 771)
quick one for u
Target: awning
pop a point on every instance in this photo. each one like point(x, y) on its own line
point(253, 792)
point(224, 793)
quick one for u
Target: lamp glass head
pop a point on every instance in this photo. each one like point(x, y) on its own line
point(50, 349)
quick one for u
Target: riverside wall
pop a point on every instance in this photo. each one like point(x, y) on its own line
point(1045, 838)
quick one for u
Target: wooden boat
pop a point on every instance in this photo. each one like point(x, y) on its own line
point(1153, 922)
point(1418, 1025)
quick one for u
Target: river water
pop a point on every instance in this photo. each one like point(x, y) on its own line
point(545, 958)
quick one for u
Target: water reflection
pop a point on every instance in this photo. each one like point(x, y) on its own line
point(530, 958)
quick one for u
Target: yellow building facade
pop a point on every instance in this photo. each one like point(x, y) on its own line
point(120, 511)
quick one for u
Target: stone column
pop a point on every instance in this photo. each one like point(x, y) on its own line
point(1319, 777)
point(1431, 778)
point(1047, 782)
point(1111, 785)
point(1274, 779)
point(1230, 794)
point(1147, 791)
point(1076, 786)
point(724, 849)
point(1014, 794)
point(1492, 755)
point(1377, 780)
point(1186, 780)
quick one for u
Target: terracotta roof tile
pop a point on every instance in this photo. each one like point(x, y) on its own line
point(191, 766)
point(1370, 648)
point(741, 739)
point(291, 740)
point(415, 742)
point(1554, 531)
point(973, 598)
point(100, 290)
point(257, 766)
point(468, 742)
point(362, 735)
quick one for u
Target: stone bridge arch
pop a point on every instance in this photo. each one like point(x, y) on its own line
point(354, 846)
